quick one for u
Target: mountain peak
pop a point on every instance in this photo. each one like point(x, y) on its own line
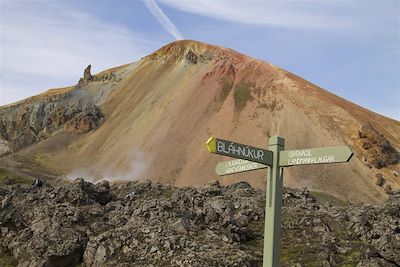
point(193, 52)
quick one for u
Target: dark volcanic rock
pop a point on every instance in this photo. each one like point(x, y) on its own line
point(22, 126)
point(379, 180)
point(4, 149)
point(145, 224)
point(87, 76)
point(191, 57)
point(84, 121)
point(377, 150)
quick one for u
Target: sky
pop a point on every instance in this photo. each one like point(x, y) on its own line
point(351, 48)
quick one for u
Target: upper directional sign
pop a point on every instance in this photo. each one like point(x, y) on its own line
point(315, 155)
point(236, 166)
point(235, 150)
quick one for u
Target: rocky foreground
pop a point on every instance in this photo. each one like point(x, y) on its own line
point(145, 224)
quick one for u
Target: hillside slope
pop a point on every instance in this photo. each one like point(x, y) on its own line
point(150, 119)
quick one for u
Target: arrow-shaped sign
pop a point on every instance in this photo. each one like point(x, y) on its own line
point(315, 156)
point(236, 150)
point(236, 166)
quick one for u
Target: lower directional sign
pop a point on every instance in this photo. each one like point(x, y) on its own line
point(236, 150)
point(236, 166)
point(315, 155)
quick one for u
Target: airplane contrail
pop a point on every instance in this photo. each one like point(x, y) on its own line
point(163, 19)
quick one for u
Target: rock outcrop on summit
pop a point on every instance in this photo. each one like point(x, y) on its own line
point(87, 76)
point(150, 119)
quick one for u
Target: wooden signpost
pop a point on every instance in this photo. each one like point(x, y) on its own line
point(252, 158)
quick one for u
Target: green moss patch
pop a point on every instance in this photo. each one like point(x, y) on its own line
point(6, 259)
point(45, 161)
point(4, 174)
point(325, 197)
point(242, 94)
point(7, 177)
point(41, 158)
point(226, 88)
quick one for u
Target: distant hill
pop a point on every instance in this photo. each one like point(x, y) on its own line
point(150, 119)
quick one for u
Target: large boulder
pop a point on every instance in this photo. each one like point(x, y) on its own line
point(377, 150)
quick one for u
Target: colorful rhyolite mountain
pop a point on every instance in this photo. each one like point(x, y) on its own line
point(151, 119)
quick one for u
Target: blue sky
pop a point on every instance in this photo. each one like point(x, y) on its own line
point(351, 48)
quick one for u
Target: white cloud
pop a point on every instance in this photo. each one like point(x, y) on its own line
point(55, 42)
point(163, 19)
point(287, 14)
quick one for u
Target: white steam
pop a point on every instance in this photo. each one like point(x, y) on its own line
point(134, 167)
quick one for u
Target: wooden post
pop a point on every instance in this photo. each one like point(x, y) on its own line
point(273, 206)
